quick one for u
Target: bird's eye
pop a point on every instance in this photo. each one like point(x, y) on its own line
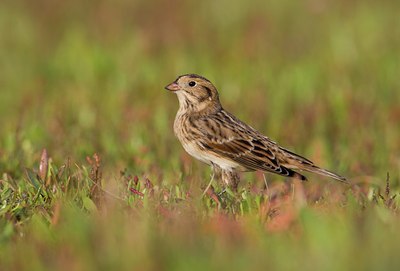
point(192, 83)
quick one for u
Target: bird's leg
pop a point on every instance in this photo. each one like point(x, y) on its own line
point(231, 179)
point(214, 172)
point(209, 184)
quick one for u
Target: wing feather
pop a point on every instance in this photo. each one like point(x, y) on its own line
point(251, 153)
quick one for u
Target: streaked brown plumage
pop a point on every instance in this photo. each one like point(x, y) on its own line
point(216, 137)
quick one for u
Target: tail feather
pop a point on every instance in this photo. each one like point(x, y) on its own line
point(301, 163)
point(325, 172)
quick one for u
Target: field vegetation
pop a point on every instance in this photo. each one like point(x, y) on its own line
point(92, 177)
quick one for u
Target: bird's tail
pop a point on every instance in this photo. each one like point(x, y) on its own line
point(324, 172)
point(302, 163)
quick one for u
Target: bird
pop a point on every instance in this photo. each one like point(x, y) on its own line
point(216, 137)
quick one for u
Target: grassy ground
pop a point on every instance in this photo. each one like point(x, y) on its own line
point(114, 190)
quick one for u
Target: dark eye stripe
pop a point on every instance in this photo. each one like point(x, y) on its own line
point(201, 99)
point(208, 91)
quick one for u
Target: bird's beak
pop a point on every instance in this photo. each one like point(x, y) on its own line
point(173, 87)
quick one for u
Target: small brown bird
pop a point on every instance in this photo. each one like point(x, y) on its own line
point(216, 137)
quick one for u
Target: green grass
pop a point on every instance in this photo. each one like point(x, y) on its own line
point(79, 79)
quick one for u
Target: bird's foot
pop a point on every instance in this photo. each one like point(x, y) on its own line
point(222, 192)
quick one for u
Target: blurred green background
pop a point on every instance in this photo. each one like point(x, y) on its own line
point(321, 77)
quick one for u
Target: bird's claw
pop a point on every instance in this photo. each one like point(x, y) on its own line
point(222, 192)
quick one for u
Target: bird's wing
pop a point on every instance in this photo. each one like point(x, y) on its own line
point(250, 154)
point(244, 145)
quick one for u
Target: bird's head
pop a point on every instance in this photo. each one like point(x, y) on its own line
point(195, 93)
